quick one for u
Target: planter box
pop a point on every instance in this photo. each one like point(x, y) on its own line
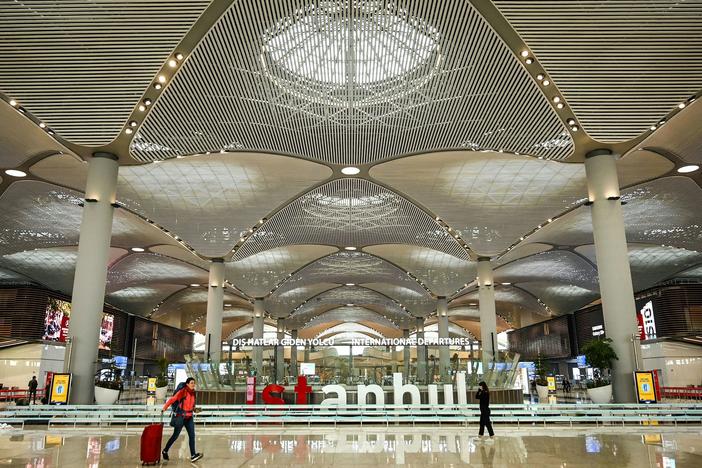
point(600, 394)
point(542, 391)
point(106, 396)
point(161, 393)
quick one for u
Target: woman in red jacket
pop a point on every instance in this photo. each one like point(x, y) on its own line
point(183, 417)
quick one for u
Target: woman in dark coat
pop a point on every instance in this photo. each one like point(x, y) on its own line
point(483, 396)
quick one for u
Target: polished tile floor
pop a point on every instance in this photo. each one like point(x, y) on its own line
point(358, 447)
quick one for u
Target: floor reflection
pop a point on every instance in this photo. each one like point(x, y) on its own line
point(361, 447)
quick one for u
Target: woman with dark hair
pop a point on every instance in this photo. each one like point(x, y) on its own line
point(183, 402)
point(483, 396)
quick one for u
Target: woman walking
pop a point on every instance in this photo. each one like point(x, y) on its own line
point(483, 396)
point(184, 408)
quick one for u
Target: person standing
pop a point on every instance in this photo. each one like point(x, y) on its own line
point(183, 417)
point(483, 396)
point(33, 384)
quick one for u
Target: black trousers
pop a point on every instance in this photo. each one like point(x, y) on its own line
point(32, 395)
point(485, 422)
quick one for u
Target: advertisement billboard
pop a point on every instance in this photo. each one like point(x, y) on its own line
point(60, 387)
point(646, 321)
point(58, 314)
point(57, 323)
point(645, 387)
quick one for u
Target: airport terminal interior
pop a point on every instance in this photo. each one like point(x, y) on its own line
point(339, 217)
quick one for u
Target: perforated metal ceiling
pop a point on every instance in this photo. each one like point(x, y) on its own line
point(275, 77)
point(351, 212)
point(621, 65)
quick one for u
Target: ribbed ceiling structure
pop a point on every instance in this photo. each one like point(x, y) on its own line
point(465, 123)
point(351, 82)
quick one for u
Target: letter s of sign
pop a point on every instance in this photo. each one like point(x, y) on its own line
point(272, 400)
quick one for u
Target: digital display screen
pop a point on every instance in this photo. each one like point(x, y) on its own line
point(57, 322)
point(106, 328)
point(58, 314)
point(307, 368)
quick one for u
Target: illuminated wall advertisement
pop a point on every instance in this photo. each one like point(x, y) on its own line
point(57, 322)
point(647, 322)
point(58, 314)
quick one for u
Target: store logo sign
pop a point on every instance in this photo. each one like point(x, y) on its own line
point(647, 322)
point(598, 330)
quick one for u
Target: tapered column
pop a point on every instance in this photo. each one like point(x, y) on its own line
point(280, 353)
point(406, 356)
point(488, 318)
point(421, 353)
point(442, 312)
point(293, 355)
point(613, 270)
point(215, 309)
point(258, 335)
point(91, 273)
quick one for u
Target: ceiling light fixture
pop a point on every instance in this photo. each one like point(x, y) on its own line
point(545, 82)
point(350, 170)
point(137, 249)
point(682, 170)
point(571, 121)
point(529, 60)
point(350, 248)
point(195, 285)
point(556, 99)
point(142, 107)
point(161, 79)
point(129, 131)
point(681, 105)
point(15, 173)
point(157, 85)
point(350, 284)
point(147, 101)
point(525, 53)
point(179, 56)
point(132, 123)
point(172, 63)
point(540, 76)
point(13, 103)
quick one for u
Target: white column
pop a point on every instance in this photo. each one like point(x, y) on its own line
point(488, 318)
point(406, 356)
point(280, 353)
point(91, 274)
point(442, 313)
point(258, 335)
point(293, 355)
point(421, 353)
point(215, 309)
point(611, 250)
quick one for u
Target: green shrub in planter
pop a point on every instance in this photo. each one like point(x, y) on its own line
point(541, 372)
point(599, 354)
point(162, 378)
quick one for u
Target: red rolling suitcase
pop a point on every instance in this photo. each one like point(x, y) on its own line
point(151, 444)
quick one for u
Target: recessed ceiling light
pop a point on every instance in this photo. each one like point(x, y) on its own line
point(350, 248)
point(350, 170)
point(350, 284)
point(142, 108)
point(157, 85)
point(525, 53)
point(540, 76)
point(147, 101)
point(682, 170)
point(161, 79)
point(13, 103)
point(529, 60)
point(137, 249)
point(571, 121)
point(132, 123)
point(15, 173)
point(42, 125)
point(179, 56)
point(556, 99)
point(172, 63)
point(195, 285)
point(682, 105)
point(350, 305)
point(129, 131)
point(545, 82)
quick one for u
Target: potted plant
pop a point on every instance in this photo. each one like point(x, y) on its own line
point(108, 388)
point(599, 354)
point(541, 382)
point(162, 379)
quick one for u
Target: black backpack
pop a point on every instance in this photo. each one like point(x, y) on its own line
point(175, 406)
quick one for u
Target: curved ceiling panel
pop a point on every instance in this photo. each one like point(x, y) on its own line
point(424, 76)
point(257, 274)
point(664, 211)
point(350, 328)
point(695, 272)
point(20, 138)
point(621, 66)
point(209, 201)
point(356, 315)
point(141, 300)
point(510, 302)
point(351, 212)
point(82, 65)
point(140, 269)
point(286, 298)
point(12, 277)
point(478, 194)
point(355, 268)
point(523, 250)
point(181, 254)
point(681, 135)
point(417, 301)
point(54, 267)
point(349, 296)
point(443, 274)
point(191, 304)
point(651, 264)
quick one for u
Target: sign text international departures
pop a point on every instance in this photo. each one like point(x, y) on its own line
point(353, 342)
